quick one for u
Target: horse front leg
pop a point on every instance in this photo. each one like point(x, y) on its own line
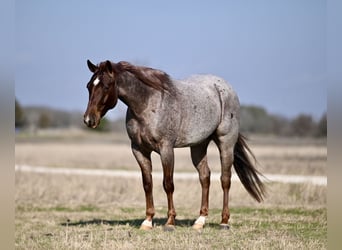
point(167, 159)
point(143, 158)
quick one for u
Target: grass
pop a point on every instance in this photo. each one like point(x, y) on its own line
point(89, 212)
point(118, 228)
point(84, 212)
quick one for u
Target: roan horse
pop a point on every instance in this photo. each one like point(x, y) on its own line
point(164, 114)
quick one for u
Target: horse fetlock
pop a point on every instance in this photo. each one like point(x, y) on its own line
point(225, 217)
point(171, 220)
point(150, 211)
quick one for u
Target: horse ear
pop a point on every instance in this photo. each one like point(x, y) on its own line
point(109, 68)
point(91, 66)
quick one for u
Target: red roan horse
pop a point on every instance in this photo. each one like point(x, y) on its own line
point(163, 114)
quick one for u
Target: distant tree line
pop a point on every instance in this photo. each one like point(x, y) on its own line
point(44, 117)
point(20, 118)
point(256, 119)
point(253, 119)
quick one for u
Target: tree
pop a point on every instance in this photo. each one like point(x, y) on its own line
point(321, 129)
point(255, 119)
point(20, 119)
point(303, 125)
point(44, 121)
point(280, 125)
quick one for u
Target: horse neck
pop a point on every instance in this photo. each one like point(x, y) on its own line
point(134, 93)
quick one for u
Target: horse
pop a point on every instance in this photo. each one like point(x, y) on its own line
point(164, 113)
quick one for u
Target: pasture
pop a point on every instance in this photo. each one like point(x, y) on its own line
point(100, 212)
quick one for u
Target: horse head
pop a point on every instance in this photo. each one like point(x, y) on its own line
point(103, 92)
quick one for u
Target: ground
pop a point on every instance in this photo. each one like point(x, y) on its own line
point(96, 212)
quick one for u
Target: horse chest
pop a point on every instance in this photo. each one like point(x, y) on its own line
point(142, 134)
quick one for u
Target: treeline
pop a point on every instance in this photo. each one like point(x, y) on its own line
point(253, 119)
point(257, 120)
point(33, 118)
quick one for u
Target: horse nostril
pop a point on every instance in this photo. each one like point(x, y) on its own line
point(87, 121)
point(91, 121)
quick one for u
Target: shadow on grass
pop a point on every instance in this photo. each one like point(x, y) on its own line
point(132, 222)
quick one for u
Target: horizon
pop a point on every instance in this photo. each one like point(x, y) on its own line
point(123, 114)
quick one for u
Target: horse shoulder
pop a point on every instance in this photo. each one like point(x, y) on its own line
point(147, 131)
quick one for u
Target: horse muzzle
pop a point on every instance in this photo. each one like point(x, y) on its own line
point(91, 121)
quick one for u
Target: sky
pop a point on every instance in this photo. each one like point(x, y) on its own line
point(272, 52)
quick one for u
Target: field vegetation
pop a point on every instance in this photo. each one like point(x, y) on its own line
point(94, 212)
point(82, 149)
point(78, 212)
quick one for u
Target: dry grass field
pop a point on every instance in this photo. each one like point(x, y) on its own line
point(94, 212)
point(112, 151)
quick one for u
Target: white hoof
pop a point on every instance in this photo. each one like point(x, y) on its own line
point(199, 223)
point(146, 225)
point(198, 226)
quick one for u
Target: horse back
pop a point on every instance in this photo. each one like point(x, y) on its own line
point(204, 101)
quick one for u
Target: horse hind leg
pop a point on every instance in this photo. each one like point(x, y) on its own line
point(226, 147)
point(199, 159)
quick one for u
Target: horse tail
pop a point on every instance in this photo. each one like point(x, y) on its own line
point(246, 170)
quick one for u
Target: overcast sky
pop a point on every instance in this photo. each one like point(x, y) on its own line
point(272, 52)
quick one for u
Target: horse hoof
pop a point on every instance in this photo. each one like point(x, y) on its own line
point(169, 228)
point(199, 223)
point(224, 226)
point(146, 225)
point(198, 226)
point(145, 228)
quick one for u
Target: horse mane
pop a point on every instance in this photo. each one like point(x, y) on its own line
point(154, 78)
